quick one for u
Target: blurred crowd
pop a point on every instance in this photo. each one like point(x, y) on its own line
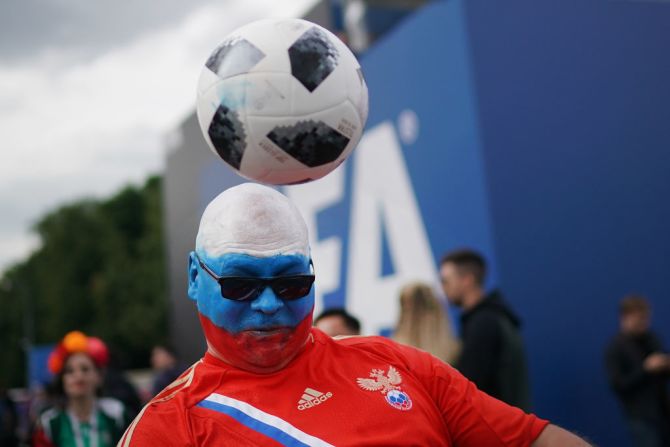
point(90, 402)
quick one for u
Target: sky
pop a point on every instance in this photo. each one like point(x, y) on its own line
point(91, 91)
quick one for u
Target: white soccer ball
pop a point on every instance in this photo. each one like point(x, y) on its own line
point(282, 101)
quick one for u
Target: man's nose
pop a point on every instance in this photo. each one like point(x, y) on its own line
point(267, 302)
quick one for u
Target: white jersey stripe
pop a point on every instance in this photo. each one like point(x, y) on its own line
point(268, 419)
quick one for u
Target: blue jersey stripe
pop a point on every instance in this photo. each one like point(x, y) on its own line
point(261, 427)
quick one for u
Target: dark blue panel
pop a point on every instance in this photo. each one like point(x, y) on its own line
point(574, 105)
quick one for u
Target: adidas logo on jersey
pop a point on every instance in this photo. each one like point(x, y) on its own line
point(311, 398)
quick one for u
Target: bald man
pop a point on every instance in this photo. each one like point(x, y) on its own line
point(269, 379)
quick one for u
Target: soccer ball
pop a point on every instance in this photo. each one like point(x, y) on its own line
point(282, 101)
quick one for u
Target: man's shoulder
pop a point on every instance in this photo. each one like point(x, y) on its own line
point(355, 343)
point(493, 307)
point(164, 419)
point(484, 318)
point(189, 388)
point(371, 347)
point(365, 342)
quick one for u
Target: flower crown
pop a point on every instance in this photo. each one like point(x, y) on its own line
point(75, 342)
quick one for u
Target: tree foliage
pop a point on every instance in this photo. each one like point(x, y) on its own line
point(100, 268)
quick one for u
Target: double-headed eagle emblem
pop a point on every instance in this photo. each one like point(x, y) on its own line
point(381, 381)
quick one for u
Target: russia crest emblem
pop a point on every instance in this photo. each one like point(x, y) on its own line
point(389, 385)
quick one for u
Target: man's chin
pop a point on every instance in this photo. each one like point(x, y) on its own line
point(259, 350)
point(267, 364)
point(266, 351)
point(265, 347)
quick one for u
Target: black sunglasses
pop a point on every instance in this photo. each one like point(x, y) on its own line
point(245, 288)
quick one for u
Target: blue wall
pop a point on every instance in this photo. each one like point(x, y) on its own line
point(574, 106)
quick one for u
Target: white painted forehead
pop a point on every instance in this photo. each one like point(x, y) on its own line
point(252, 219)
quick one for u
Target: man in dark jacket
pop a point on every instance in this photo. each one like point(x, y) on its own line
point(493, 354)
point(638, 371)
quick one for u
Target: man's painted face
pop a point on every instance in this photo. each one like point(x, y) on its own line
point(259, 335)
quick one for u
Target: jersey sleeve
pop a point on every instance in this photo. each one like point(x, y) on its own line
point(164, 423)
point(473, 418)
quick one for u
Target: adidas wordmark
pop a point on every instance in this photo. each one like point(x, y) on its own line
point(311, 398)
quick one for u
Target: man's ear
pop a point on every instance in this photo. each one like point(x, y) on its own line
point(192, 277)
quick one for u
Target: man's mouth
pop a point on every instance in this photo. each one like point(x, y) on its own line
point(267, 332)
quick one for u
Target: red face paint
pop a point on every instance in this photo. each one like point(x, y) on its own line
point(257, 351)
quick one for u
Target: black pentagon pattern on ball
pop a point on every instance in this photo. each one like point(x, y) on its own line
point(312, 143)
point(313, 57)
point(234, 56)
point(228, 137)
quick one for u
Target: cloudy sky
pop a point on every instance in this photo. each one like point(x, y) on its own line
point(89, 92)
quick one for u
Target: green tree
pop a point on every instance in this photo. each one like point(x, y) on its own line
point(100, 268)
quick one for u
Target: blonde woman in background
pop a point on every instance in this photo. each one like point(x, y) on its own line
point(423, 323)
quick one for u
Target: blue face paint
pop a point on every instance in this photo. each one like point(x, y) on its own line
point(264, 312)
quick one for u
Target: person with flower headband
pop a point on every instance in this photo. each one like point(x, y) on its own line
point(81, 419)
point(269, 378)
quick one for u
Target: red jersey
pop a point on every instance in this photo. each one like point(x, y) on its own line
point(358, 391)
